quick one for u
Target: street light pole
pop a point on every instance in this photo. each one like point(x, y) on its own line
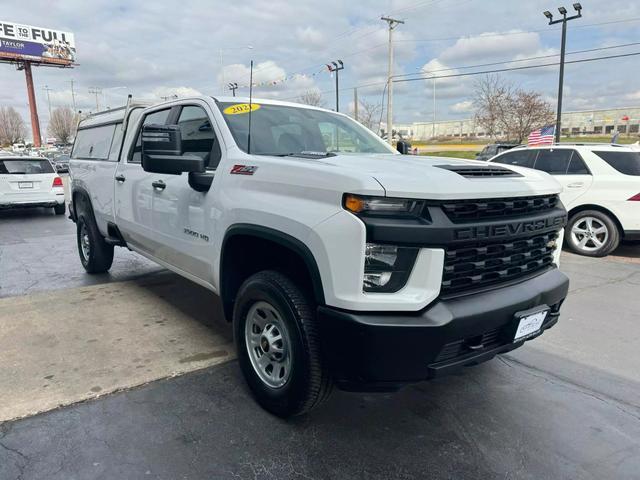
point(563, 11)
point(47, 89)
point(233, 87)
point(393, 23)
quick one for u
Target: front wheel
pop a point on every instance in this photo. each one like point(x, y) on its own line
point(278, 345)
point(592, 233)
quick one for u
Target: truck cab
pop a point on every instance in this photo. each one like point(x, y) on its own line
point(338, 260)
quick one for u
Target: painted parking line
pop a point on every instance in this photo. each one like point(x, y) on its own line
point(66, 346)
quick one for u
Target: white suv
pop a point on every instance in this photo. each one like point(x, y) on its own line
point(601, 191)
point(30, 182)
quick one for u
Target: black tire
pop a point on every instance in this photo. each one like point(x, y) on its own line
point(100, 254)
point(60, 209)
point(602, 243)
point(309, 382)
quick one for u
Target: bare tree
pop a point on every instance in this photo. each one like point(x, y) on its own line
point(62, 124)
point(528, 111)
point(369, 114)
point(12, 127)
point(512, 112)
point(311, 97)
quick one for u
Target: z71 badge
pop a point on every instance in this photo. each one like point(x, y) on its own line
point(243, 169)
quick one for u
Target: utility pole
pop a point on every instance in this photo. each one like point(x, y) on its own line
point(433, 133)
point(563, 11)
point(336, 67)
point(96, 91)
point(47, 89)
point(355, 103)
point(73, 96)
point(393, 23)
point(233, 87)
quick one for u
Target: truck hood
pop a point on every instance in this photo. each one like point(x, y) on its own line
point(423, 177)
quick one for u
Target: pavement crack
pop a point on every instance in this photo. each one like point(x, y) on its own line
point(22, 463)
point(626, 278)
point(575, 387)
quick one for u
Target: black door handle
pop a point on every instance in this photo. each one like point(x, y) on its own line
point(120, 178)
point(159, 185)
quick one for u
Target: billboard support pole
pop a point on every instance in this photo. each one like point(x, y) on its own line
point(33, 109)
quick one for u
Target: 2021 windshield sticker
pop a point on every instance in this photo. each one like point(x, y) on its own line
point(241, 108)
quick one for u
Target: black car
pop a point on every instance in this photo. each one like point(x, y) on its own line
point(494, 149)
point(61, 162)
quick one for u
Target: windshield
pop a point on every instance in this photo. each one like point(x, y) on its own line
point(23, 166)
point(283, 130)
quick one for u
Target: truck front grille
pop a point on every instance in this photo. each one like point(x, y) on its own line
point(489, 263)
point(460, 211)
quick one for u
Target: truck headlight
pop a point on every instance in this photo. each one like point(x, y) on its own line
point(387, 267)
point(382, 206)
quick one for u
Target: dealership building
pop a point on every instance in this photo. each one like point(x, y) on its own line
point(586, 122)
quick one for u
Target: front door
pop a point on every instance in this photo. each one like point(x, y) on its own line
point(183, 219)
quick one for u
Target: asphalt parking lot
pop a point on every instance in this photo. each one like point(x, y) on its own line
point(564, 406)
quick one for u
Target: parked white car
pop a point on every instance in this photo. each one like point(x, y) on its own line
point(601, 191)
point(30, 182)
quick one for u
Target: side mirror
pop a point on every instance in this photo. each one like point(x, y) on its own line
point(403, 147)
point(162, 151)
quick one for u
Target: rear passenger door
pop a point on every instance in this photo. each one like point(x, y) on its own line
point(183, 219)
point(567, 166)
point(134, 192)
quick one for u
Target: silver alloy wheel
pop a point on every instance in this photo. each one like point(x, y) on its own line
point(589, 234)
point(268, 344)
point(85, 243)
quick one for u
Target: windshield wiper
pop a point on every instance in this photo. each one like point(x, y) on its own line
point(305, 154)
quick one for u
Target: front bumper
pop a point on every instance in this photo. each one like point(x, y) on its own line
point(383, 351)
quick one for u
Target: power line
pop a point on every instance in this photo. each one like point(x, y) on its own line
point(519, 60)
point(484, 72)
point(525, 67)
point(488, 35)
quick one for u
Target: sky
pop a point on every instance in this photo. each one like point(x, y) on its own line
point(161, 48)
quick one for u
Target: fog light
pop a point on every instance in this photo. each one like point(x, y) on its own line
point(387, 267)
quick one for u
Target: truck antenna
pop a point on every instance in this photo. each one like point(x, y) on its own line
point(250, 106)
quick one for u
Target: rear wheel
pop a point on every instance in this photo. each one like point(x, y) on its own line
point(60, 209)
point(278, 345)
point(592, 233)
point(95, 254)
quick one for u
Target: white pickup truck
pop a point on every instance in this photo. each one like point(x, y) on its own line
point(338, 260)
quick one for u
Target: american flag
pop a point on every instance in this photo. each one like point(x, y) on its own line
point(542, 136)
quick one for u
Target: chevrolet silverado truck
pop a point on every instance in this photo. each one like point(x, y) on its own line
point(339, 260)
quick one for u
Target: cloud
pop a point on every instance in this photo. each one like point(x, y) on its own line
point(465, 106)
point(492, 45)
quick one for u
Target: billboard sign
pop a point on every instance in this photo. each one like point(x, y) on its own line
point(44, 45)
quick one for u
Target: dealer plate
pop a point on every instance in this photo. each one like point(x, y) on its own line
point(25, 184)
point(529, 324)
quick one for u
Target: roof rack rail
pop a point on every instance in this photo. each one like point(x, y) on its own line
point(611, 144)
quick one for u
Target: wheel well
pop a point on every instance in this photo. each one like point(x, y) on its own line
point(598, 208)
point(244, 254)
point(80, 197)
